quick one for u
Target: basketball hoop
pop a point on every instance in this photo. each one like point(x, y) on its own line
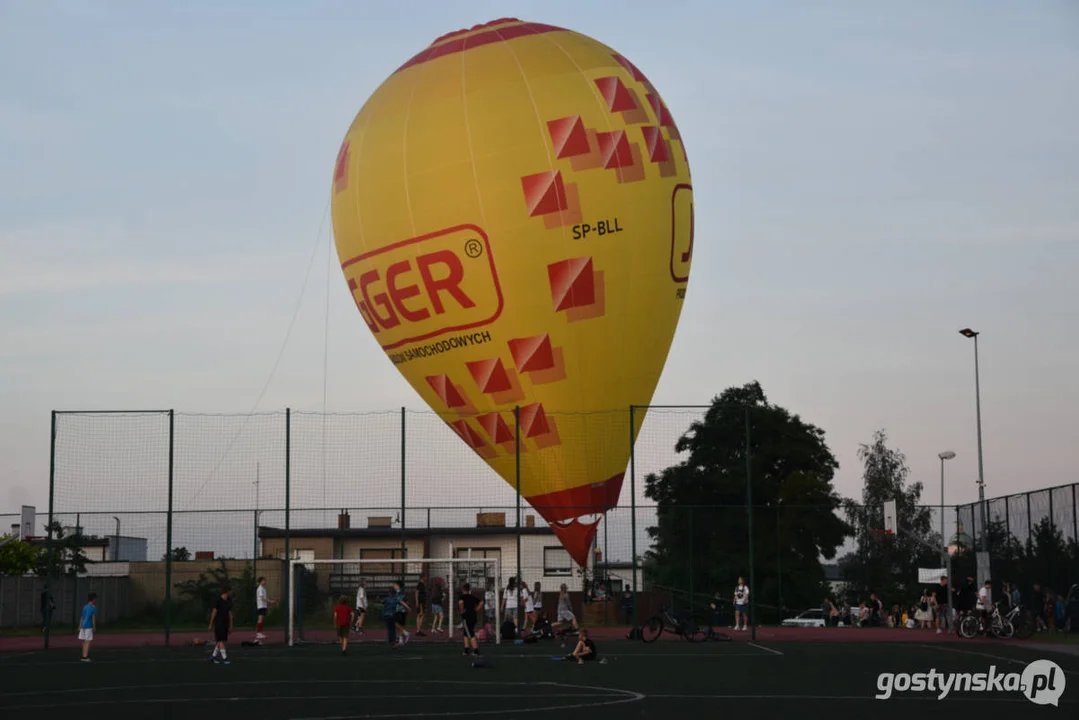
point(878, 534)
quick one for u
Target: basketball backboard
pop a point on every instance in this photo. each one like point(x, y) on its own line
point(891, 518)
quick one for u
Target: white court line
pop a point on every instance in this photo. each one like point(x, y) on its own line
point(766, 649)
point(284, 658)
point(870, 698)
point(622, 697)
point(276, 698)
point(1014, 661)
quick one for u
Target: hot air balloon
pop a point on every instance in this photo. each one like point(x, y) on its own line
point(513, 213)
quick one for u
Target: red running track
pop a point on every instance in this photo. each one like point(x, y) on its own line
point(275, 637)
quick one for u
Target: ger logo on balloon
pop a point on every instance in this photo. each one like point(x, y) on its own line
point(513, 213)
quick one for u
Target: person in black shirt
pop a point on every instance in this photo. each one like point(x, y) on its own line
point(941, 605)
point(421, 604)
point(585, 650)
point(221, 624)
point(469, 605)
point(965, 599)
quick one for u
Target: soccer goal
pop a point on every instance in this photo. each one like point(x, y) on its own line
point(317, 585)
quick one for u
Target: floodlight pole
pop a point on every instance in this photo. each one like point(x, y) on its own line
point(967, 332)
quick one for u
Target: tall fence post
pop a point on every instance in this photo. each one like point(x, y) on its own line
point(691, 541)
point(49, 565)
point(1030, 524)
point(288, 505)
point(168, 534)
point(517, 476)
point(1075, 520)
point(1052, 533)
point(749, 515)
point(633, 510)
point(779, 561)
point(404, 549)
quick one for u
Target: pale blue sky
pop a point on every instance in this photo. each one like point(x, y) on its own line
point(869, 178)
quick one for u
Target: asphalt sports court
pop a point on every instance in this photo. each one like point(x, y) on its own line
point(665, 679)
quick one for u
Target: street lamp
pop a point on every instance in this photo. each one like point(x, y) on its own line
point(968, 333)
point(946, 455)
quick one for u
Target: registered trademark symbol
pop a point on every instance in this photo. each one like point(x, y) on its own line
point(473, 248)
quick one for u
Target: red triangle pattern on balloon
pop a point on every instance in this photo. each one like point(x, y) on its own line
point(449, 393)
point(496, 428)
point(490, 376)
point(569, 137)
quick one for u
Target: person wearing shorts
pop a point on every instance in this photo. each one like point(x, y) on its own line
point(221, 624)
point(88, 625)
point(437, 611)
point(585, 651)
point(342, 620)
point(741, 605)
point(565, 608)
point(468, 605)
point(262, 606)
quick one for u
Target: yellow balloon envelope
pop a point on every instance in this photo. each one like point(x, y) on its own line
point(513, 213)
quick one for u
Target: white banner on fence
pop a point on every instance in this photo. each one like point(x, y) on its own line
point(930, 576)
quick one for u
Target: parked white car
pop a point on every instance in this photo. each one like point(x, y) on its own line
point(814, 617)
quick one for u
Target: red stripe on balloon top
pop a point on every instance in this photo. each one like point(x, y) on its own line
point(486, 34)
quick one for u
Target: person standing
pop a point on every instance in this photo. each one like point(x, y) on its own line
point(467, 605)
point(361, 606)
point(421, 604)
point(48, 605)
point(510, 601)
point(389, 613)
point(940, 605)
point(221, 624)
point(262, 606)
point(627, 604)
point(342, 621)
point(437, 611)
point(88, 625)
point(741, 605)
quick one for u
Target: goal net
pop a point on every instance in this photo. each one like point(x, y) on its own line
point(318, 585)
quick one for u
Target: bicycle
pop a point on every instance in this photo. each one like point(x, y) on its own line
point(1022, 622)
point(666, 621)
point(1000, 626)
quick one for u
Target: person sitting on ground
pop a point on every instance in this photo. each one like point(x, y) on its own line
point(585, 650)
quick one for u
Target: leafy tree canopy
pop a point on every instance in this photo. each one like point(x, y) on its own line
point(18, 557)
point(701, 534)
point(889, 565)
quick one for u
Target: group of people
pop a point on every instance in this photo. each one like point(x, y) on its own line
point(349, 617)
point(930, 612)
point(470, 607)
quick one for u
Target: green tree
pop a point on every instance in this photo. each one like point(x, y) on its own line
point(18, 557)
point(200, 594)
point(1047, 557)
point(888, 565)
point(180, 554)
point(701, 534)
point(68, 555)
